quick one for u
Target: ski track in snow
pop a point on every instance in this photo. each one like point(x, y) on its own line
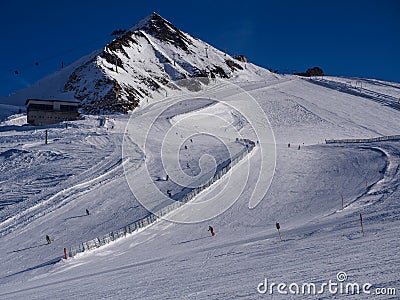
point(168, 260)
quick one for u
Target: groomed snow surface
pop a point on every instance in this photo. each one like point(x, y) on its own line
point(45, 189)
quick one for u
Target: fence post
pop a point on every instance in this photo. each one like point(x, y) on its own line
point(65, 253)
point(342, 201)
point(361, 222)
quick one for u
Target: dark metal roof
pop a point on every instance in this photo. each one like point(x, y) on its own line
point(54, 100)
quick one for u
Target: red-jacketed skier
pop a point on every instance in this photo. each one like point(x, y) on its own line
point(211, 230)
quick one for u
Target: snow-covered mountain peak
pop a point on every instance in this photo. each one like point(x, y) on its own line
point(146, 21)
point(144, 62)
point(141, 63)
point(158, 27)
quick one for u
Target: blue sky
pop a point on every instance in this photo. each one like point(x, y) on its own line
point(347, 38)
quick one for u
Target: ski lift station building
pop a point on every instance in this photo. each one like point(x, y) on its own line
point(44, 112)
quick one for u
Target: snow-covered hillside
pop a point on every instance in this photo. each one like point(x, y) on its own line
point(189, 108)
point(46, 189)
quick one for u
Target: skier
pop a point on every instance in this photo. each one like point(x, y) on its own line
point(211, 230)
point(288, 145)
point(48, 240)
point(298, 148)
point(87, 212)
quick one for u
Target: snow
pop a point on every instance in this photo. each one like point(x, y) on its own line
point(46, 188)
point(116, 167)
point(50, 87)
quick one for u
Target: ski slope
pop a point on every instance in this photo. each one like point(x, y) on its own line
point(45, 189)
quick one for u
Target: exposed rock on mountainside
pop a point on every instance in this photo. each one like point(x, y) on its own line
point(144, 62)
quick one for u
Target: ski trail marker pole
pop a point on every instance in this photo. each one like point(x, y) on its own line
point(65, 253)
point(342, 201)
point(278, 227)
point(361, 222)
